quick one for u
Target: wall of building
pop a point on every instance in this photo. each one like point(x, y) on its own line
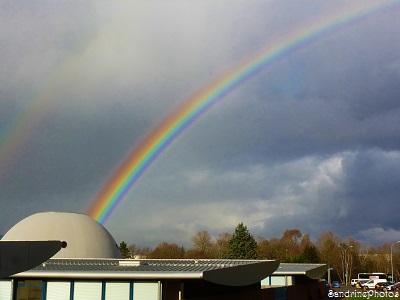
point(297, 292)
point(79, 290)
point(265, 294)
point(294, 292)
point(171, 289)
point(312, 285)
point(278, 281)
point(194, 289)
point(301, 285)
point(152, 290)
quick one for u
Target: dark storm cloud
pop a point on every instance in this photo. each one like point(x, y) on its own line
point(372, 178)
point(358, 200)
point(310, 143)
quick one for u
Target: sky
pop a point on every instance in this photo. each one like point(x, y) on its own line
point(311, 141)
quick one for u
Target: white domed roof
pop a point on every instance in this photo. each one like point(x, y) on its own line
point(85, 237)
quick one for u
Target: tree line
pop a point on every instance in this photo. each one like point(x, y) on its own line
point(292, 247)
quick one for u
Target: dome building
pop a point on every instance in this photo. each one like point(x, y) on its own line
point(91, 268)
point(85, 237)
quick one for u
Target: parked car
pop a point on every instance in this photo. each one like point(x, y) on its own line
point(371, 283)
point(335, 284)
point(354, 281)
point(396, 287)
point(381, 285)
point(393, 286)
point(360, 282)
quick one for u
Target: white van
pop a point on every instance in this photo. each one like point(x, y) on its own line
point(371, 283)
point(356, 280)
point(361, 282)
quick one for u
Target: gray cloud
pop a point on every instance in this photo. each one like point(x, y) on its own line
point(311, 142)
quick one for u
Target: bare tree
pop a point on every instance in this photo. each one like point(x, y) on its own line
point(131, 249)
point(143, 251)
point(305, 242)
point(221, 244)
point(202, 241)
point(328, 251)
point(264, 249)
point(277, 249)
point(290, 240)
point(167, 251)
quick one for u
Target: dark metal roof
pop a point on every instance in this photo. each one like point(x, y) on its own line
point(227, 272)
point(314, 271)
point(148, 265)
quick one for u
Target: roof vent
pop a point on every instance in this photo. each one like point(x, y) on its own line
point(131, 262)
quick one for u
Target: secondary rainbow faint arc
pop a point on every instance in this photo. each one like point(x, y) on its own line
point(142, 156)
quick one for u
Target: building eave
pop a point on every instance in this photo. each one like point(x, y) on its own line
point(224, 272)
point(109, 275)
point(313, 271)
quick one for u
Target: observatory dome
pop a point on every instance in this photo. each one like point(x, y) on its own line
point(85, 237)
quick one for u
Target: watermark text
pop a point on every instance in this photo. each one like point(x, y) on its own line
point(362, 294)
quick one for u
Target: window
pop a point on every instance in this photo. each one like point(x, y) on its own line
point(117, 290)
point(58, 290)
point(145, 291)
point(5, 289)
point(87, 290)
point(29, 289)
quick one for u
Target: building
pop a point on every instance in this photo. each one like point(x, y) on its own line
point(85, 237)
point(289, 274)
point(299, 281)
point(132, 279)
point(90, 267)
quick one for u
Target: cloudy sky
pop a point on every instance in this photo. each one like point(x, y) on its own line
point(311, 142)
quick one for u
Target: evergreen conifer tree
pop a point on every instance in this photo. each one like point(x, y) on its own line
point(241, 245)
point(123, 248)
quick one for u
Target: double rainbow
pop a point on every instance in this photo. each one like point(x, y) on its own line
point(144, 154)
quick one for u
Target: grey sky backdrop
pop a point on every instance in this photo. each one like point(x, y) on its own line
point(312, 142)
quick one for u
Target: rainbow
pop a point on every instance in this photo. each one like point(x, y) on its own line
point(17, 133)
point(146, 152)
point(28, 119)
